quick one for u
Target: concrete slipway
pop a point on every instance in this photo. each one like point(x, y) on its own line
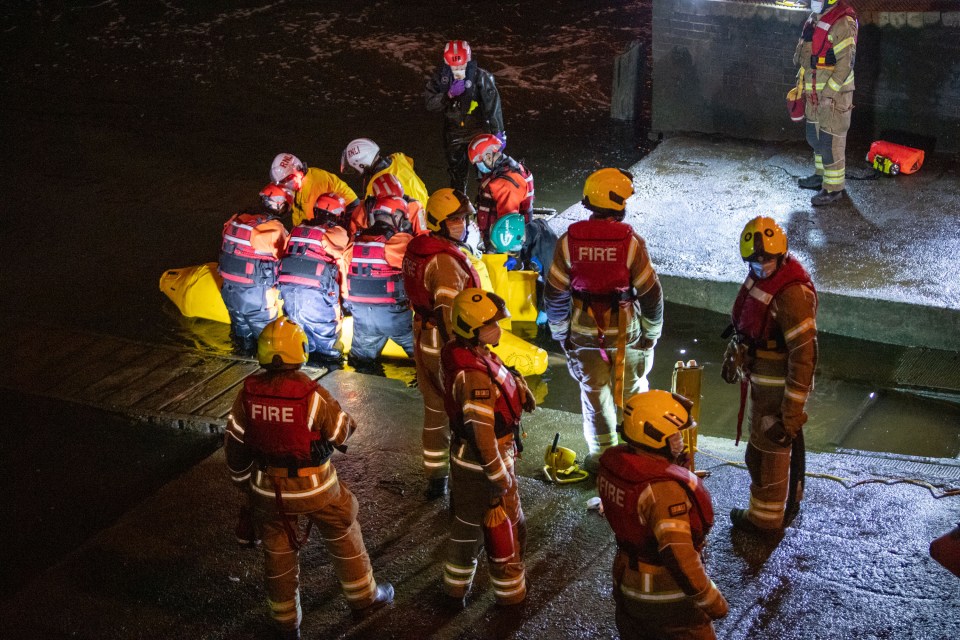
point(853, 565)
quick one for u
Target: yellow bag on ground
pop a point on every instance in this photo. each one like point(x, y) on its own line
point(526, 358)
point(196, 291)
point(391, 350)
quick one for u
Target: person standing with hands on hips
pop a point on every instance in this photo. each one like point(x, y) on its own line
point(468, 98)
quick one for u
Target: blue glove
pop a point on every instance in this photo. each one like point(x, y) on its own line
point(536, 263)
point(457, 87)
point(502, 137)
point(512, 263)
point(542, 318)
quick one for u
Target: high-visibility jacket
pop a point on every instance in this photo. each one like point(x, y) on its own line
point(751, 310)
point(400, 165)
point(456, 357)
point(278, 427)
point(373, 274)
point(306, 260)
point(827, 49)
point(507, 189)
point(251, 248)
point(419, 253)
point(624, 475)
point(317, 182)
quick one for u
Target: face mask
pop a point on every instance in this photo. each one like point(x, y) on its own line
point(482, 168)
point(490, 334)
point(763, 270)
point(457, 228)
point(816, 6)
point(676, 444)
point(459, 73)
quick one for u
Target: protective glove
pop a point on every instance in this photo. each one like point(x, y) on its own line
point(541, 318)
point(535, 261)
point(732, 359)
point(717, 609)
point(457, 87)
point(529, 402)
point(512, 264)
point(647, 343)
point(772, 427)
point(502, 137)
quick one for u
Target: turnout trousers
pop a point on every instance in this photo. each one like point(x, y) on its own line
point(826, 132)
point(334, 516)
point(436, 423)
point(471, 495)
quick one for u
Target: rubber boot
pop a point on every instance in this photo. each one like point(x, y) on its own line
point(383, 597)
point(813, 182)
point(436, 488)
point(740, 521)
point(827, 197)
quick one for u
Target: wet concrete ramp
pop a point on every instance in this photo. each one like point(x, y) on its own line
point(162, 383)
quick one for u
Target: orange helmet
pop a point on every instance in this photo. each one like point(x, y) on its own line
point(456, 53)
point(276, 198)
point(329, 207)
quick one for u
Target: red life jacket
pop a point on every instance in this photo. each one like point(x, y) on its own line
point(277, 407)
point(598, 258)
point(239, 261)
point(455, 358)
point(516, 176)
point(419, 252)
point(751, 309)
point(624, 475)
point(305, 260)
point(822, 54)
point(371, 280)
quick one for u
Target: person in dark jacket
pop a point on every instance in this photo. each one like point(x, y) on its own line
point(468, 98)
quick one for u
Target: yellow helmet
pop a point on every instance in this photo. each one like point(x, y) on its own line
point(281, 342)
point(560, 465)
point(607, 189)
point(445, 203)
point(762, 236)
point(474, 308)
point(651, 417)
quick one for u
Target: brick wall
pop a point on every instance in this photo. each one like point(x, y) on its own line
point(722, 66)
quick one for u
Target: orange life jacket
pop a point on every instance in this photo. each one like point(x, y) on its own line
point(371, 279)
point(306, 261)
point(508, 177)
point(239, 261)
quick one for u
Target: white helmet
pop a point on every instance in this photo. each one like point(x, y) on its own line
point(284, 166)
point(359, 154)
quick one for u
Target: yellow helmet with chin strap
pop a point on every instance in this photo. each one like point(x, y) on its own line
point(762, 236)
point(651, 417)
point(282, 342)
point(607, 190)
point(474, 308)
point(445, 203)
point(560, 464)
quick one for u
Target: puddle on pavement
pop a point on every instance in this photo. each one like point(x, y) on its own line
point(856, 403)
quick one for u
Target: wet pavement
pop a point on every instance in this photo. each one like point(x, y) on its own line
point(853, 565)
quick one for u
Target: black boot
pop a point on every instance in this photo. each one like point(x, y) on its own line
point(436, 488)
point(383, 597)
point(814, 182)
point(827, 197)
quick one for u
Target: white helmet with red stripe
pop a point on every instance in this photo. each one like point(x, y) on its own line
point(386, 185)
point(359, 154)
point(287, 171)
point(457, 53)
point(329, 207)
point(390, 207)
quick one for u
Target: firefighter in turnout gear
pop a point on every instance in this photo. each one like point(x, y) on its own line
point(660, 513)
point(825, 54)
point(375, 294)
point(307, 185)
point(773, 355)
point(435, 269)
point(470, 102)
point(484, 401)
point(506, 186)
point(311, 271)
point(280, 435)
point(253, 242)
point(605, 307)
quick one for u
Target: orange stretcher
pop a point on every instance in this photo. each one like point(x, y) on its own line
point(894, 159)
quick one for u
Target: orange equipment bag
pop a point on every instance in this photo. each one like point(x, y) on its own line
point(894, 158)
